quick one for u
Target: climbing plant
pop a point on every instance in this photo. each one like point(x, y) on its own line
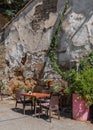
point(52, 49)
point(9, 8)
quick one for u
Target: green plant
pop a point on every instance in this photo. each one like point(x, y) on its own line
point(55, 89)
point(83, 85)
point(9, 8)
point(52, 50)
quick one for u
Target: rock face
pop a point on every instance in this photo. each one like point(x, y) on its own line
point(76, 36)
point(2, 61)
point(28, 37)
point(3, 21)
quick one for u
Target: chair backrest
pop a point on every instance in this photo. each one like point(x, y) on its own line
point(66, 100)
point(18, 94)
point(54, 101)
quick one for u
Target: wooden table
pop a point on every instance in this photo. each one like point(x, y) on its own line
point(35, 96)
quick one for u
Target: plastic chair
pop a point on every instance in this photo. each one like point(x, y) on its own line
point(22, 100)
point(53, 105)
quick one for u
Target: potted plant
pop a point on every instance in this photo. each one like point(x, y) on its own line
point(50, 83)
point(81, 88)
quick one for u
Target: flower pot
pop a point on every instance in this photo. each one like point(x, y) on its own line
point(50, 83)
point(79, 110)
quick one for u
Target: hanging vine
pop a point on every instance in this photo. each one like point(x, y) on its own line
point(52, 50)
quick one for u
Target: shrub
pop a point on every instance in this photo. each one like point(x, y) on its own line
point(83, 85)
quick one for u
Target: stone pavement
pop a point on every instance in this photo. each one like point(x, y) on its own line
point(15, 120)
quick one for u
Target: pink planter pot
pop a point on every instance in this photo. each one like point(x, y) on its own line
point(79, 110)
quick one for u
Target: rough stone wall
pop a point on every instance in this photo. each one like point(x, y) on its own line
point(76, 35)
point(28, 38)
point(1, 34)
point(2, 54)
point(2, 61)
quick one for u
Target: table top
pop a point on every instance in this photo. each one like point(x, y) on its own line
point(36, 95)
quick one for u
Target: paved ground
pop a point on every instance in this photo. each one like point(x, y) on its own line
point(15, 120)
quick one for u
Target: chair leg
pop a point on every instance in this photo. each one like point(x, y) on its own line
point(16, 104)
point(47, 112)
point(58, 114)
point(40, 111)
point(50, 115)
point(31, 106)
point(24, 109)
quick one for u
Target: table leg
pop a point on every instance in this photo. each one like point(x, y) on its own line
point(35, 107)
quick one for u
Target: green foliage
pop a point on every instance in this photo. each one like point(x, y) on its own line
point(71, 75)
point(10, 7)
point(81, 82)
point(52, 50)
point(9, 13)
point(86, 62)
point(82, 85)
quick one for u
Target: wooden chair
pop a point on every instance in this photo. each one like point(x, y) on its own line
point(46, 99)
point(65, 104)
point(22, 100)
point(53, 105)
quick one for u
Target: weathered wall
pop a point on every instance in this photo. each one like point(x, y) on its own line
point(1, 36)
point(28, 38)
point(76, 36)
point(2, 61)
point(2, 55)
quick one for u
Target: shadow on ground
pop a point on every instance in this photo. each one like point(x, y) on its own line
point(66, 114)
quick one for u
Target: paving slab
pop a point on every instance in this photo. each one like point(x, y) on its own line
point(15, 120)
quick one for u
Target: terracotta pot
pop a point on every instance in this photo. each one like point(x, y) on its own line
point(50, 83)
point(79, 110)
